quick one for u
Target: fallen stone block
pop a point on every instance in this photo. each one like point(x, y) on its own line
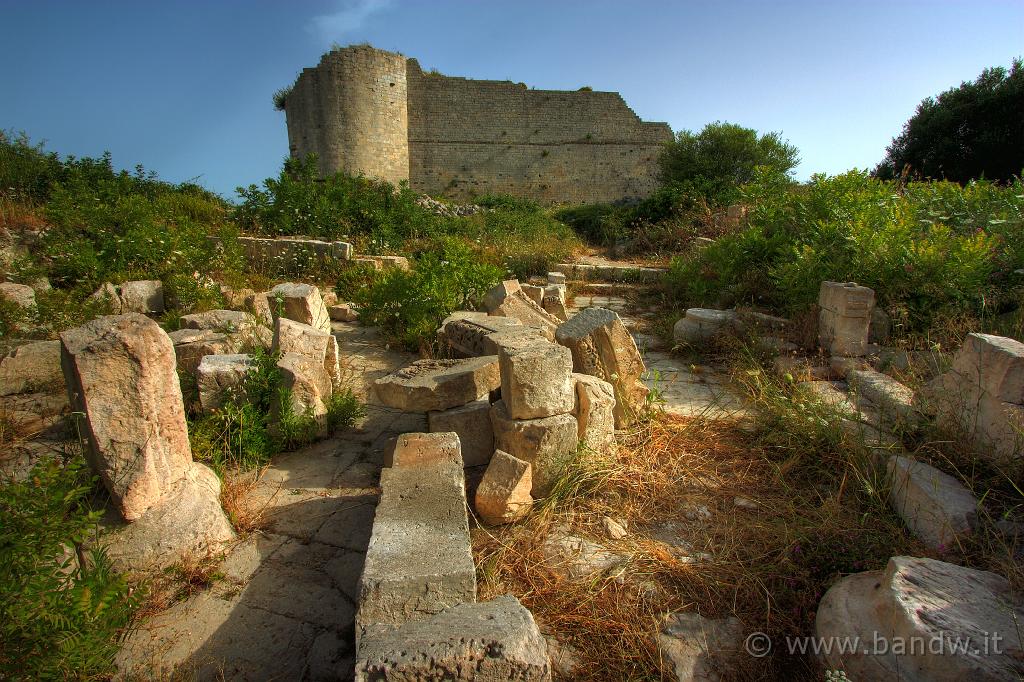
point(995, 363)
point(390, 262)
point(416, 449)
point(34, 367)
point(144, 296)
point(259, 306)
point(497, 294)
point(219, 377)
point(192, 345)
point(419, 561)
point(330, 298)
point(343, 312)
point(699, 648)
point(937, 621)
point(21, 295)
point(472, 423)
point(578, 557)
point(701, 325)
point(107, 294)
point(536, 380)
point(548, 444)
point(121, 376)
point(534, 293)
point(187, 520)
point(935, 506)
point(844, 318)
point(503, 495)
point(520, 307)
point(428, 385)
point(594, 412)
point(495, 641)
point(318, 345)
point(556, 307)
point(226, 321)
point(893, 400)
point(300, 302)
point(602, 346)
point(800, 369)
point(466, 333)
point(556, 278)
point(308, 383)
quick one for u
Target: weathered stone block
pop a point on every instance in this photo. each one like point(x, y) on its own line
point(419, 561)
point(318, 345)
point(594, 412)
point(219, 320)
point(934, 505)
point(32, 367)
point(495, 641)
point(845, 318)
point(698, 648)
point(307, 381)
point(192, 345)
point(343, 312)
point(548, 444)
point(503, 495)
point(467, 333)
point(19, 294)
point(995, 363)
point(427, 385)
point(218, 376)
point(121, 375)
point(602, 346)
point(497, 295)
point(145, 296)
point(302, 303)
point(187, 520)
point(520, 307)
point(895, 402)
point(536, 380)
point(472, 423)
point(701, 325)
point(417, 449)
point(933, 604)
point(556, 278)
point(534, 293)
point(259, 306)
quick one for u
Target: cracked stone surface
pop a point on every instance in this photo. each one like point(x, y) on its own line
point(285, 609)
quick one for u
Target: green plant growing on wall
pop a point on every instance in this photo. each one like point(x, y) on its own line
point(281, 97)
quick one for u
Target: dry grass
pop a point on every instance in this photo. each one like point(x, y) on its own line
point(194, 573)
point(245, 509)
point(818, 518)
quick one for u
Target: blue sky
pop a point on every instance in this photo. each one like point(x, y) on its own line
point(184, 88)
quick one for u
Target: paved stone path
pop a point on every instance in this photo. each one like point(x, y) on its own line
point(284, 609)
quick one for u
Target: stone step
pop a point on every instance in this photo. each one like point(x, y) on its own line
point(610, 273)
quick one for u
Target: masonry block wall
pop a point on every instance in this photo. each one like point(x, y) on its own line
point(368, 111)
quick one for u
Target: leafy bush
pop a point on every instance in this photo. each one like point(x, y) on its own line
point(722, 157)
point(60, 618)
point(298, 202)
point(968, 132)
point(507, 202)
point(409, 305)
point(928, 249)
point(26, 171)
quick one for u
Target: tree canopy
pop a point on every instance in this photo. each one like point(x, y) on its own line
point(968, 132)
point(723, 156)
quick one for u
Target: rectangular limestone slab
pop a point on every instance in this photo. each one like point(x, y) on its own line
point(419, 561)
point(472, 423)
point(995, 363)
point(494, 641)
point(846, 299)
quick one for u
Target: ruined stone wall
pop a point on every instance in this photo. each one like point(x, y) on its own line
point(463, 138)
point(352, 111)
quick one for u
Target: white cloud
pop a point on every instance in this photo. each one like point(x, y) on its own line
point(350, 16)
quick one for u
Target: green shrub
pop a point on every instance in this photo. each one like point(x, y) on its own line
point(928, 249)
point(59, 618)
point(298, 202)
point(721, 158)
point(26, 171)
point(409, 305)
point(508, 202)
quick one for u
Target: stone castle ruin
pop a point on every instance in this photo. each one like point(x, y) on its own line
point(376, 113)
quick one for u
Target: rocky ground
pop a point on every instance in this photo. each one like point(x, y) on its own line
point(283, 604)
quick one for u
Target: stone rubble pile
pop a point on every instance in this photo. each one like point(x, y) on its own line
point(448, 210)
point(146, 297)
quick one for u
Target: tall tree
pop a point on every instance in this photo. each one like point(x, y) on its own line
point(971, 131)
point(723, 156)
